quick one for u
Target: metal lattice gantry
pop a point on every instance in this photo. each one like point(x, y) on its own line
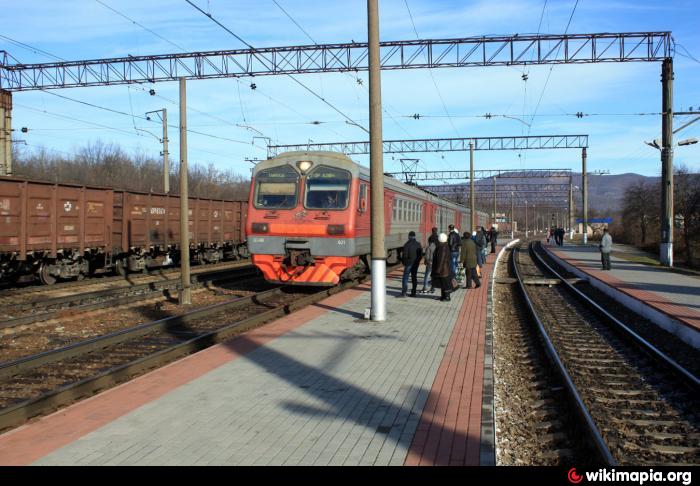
point(529, 142)
point(445, 175)
point(547, 193)
point(509, 50)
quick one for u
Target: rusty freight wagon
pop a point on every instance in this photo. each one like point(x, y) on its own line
point(50, 231)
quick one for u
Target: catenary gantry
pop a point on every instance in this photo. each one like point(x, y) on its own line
point(408, 54)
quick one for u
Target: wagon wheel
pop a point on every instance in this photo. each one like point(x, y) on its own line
point(44, 276)
point(121, 268)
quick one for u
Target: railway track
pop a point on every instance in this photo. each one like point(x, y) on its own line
point(12, 295)
point(638, 405)
point(535, 423)
point(30, 312)
point(41, 383)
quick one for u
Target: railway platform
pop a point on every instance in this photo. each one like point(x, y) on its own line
point(321, 386)
point(668, 298)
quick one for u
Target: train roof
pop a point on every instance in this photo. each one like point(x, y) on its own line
point(342, 160)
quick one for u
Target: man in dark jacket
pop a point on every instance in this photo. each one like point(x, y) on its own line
point(468, 259)
point(411, 256)
point(433, 238)
point(455, 243)
point(441, 267)
point(480, 240)
point(494, 239)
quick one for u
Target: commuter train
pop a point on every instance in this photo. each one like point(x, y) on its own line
point(309, 217)
point(54, 231)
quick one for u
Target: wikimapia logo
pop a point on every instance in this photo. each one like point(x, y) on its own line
point(636, 477)
point(574, 477)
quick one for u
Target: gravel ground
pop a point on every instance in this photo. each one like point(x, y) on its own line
point(35, 338)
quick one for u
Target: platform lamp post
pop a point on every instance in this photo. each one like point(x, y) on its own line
point(666, 250)
point(378, 264)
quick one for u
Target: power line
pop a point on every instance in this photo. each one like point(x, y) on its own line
point(356, 81)
point(263, 61)
point(544, 88)
point(140, 25)
point(444, 106)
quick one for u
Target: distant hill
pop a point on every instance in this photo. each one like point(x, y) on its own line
point(605, 192)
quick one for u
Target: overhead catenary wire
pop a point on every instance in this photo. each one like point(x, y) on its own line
point(264, 62)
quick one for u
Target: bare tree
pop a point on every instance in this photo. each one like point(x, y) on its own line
point(108, 165)
point(641, 208)
point(686, 197)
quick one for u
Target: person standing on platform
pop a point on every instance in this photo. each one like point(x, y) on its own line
point(480, 241)
point(433, 238)
point(468, 259)
point(441, 271)
point(494, 239)
point(455, 243)
point(429, 252)
point(410, 257)
point(605, 249)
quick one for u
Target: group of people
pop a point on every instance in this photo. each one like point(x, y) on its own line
point(557, 234)
point(445, 254)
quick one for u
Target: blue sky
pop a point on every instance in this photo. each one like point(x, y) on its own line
point(283, 111)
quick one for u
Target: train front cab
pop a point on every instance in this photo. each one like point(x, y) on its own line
point(303, 218)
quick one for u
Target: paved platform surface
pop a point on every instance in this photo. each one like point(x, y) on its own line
point(672, 293)
point(322, 386)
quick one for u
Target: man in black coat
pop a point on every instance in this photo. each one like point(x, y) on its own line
point(494, 238)
point(410, 257)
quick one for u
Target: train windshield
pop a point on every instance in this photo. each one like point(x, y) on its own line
point(276, 188)
point(327, 188)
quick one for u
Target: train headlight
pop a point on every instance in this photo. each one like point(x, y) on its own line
point(260, 228)
point(336, 229)
point(304, 165)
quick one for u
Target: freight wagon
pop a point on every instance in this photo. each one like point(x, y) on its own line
point(50, 231)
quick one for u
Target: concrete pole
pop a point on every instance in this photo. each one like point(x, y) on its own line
point(666, 249)
point(534, 217)
point(494, 202)
point(526, 226)
point(472, 197)
point(378, 294)
point(185, 292)
point(166, 162)
point(571, 209)
point(584, 189)
point(512, 213)
point(5, 133)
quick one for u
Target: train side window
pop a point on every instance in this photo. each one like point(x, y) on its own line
point(362, 198)
point(395, 209)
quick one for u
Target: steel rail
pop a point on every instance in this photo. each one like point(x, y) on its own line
point(116, 296)
point(25, 288)
point(18, 413)
point(657, 354)
point(595, 434)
